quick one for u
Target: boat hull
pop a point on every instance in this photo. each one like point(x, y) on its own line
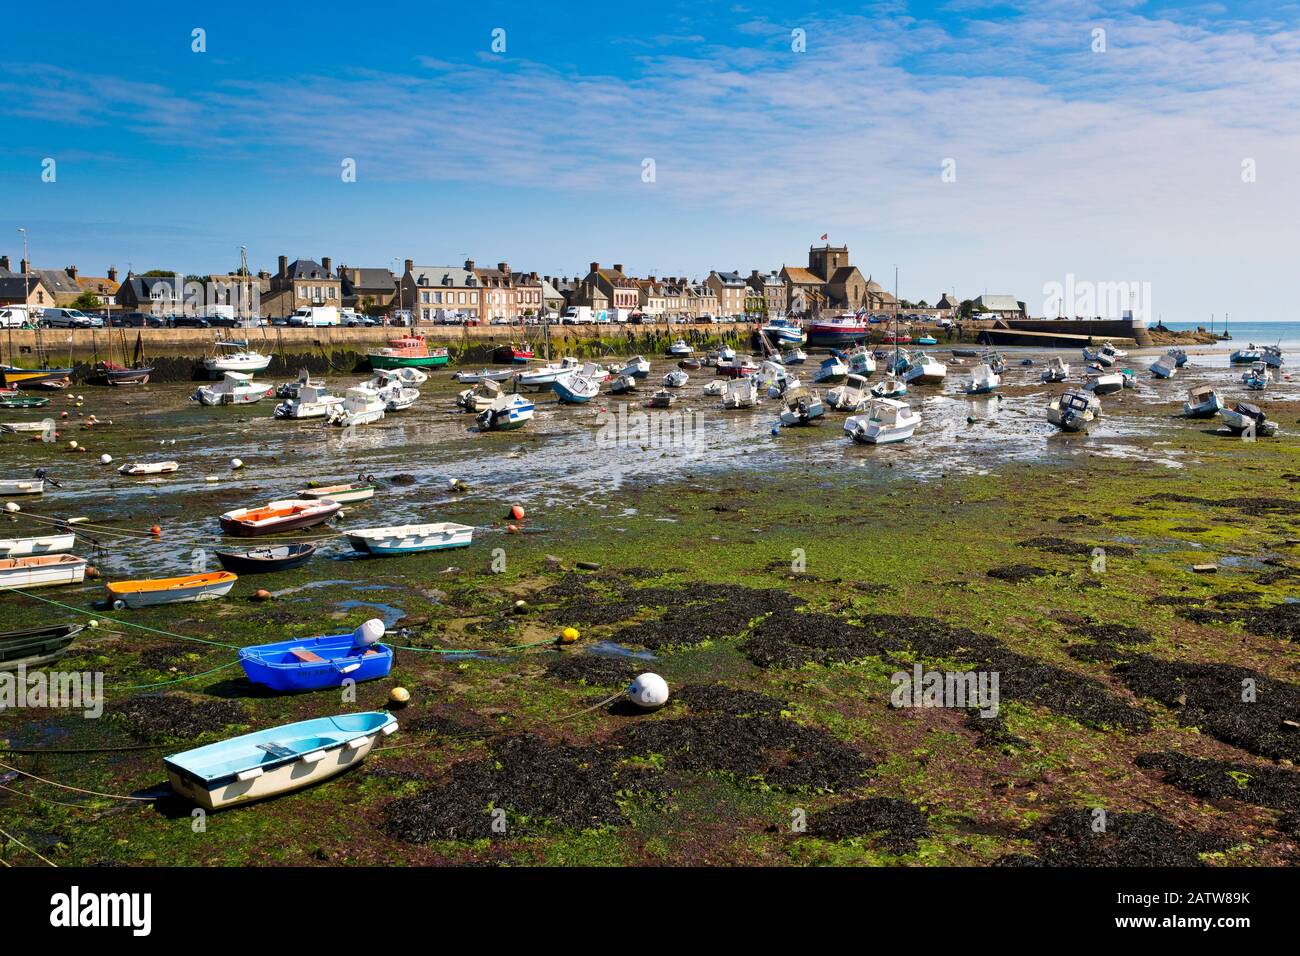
point(242, 529)
point(266, 560)
point(279, 667)
point(830, 336)
point(34, 647)
point(40, 571)
point(137, 594)
point(407, 361)
point(313, 752)
point(25, 547)
point(381, 542)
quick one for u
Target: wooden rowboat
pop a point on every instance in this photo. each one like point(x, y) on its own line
point(344, 494)
point(188, 587)
point(278, 516)
point(275, 761)
point(149, 468)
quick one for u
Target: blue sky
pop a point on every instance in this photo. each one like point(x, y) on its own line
point(1115, 165)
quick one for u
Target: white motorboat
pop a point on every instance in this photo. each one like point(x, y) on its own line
point(311, 400)
point(1202, 402)
point(1164, 367)
point(485, 375)
point(889, 387)
point(680, 349)
point(623, 383)
point(1097, 357)
point(388, 387)
point(235, 388)
point(662, 398)
point(1271, 355)
point(675, 379)
point(1258, 377)
point(860, 361)
point(1108, 351)
point(544, 376)
point(1057, 371)
point(852, 396)
point(1243, 417)
point(795, 356)
point(575, 389)
point(1105, 384)
point(740, 393)
point(235, 357)
point(802, 406)
point(1073, 410)
point(408, 538)
point(637, 366)
point(22, 486)
point(716, 387)
point(884, 422)
point(290, 389)
point(46, 544)
point(983, 380)
point(785, 333)
point(506, 413)
point(925, 370)
point(1179, 356)
point(479, 398)
point(830, 372)
point(994, 360)
point(138, 468)
point(360, 406)
point(41, 570)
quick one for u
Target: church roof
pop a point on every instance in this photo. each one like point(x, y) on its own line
point(802, 276)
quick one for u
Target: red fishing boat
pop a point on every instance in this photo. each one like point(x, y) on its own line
point(512, 354)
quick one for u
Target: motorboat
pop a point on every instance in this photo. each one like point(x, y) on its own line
point(508, 412)
point(1179, 356)
point(883, 422)
point(802, 406)
point(925, 370)
point(680, 349)
point(310, 401)
point(845, 329)
point(1164, 367)
point(638, 366)
point(1245, 418)
point(831, 372)
point(1105, 384)
point(1258, 377)
point(983, 380)
point(1202, 402)
point(889, 387)
point(479, 398)
point(623, 383)
point(360, 406)
point(407, 351)
point(740, 393)
point(675, 379)
point(851, 396)
point(1057, 371)
point(575, 389)
point(1073, 410)
point(235, 388)
point(860, 360)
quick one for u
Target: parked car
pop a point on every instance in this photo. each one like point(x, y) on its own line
point(70, 319)
point(141, 320)
point(188, 322)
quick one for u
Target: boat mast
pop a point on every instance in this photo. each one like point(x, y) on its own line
point(895, 319)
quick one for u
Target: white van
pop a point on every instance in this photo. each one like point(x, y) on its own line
point(315, 316)
point(70, 319)
point(13, 316)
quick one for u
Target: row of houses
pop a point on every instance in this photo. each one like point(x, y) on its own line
point(432, 293)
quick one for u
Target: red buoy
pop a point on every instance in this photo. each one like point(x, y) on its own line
point(517, 513)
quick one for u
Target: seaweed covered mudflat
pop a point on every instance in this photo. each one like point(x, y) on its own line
point(1123, 604)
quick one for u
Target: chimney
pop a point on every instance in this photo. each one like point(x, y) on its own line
point(469, 265)
point(284, 267)
point(4, 262)
point(22, 266)
point(503, 267)
point(410, 265)
point(595, 267)
point(651, 279)
point(325, 264)
point(618, 267)
point(112, 273)
point(264, 274)
point(72, 271)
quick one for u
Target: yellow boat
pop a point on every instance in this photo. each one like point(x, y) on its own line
point(188, 587)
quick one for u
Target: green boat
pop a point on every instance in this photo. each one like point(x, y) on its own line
point(411, 351)
point(36, 646)
point(23, 401)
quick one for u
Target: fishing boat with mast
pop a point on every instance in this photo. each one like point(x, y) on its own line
point(44, 376)
point(847, 328)
point(111, 373)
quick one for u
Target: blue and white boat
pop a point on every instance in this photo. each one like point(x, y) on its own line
point(409, 538)
point(889, 387)
point(506, 412)
point(313, 663)
point(796, 356)
point(831, 372)
point(983, 380)
point(1179, 356)
point(1258, 377)
point(1202, 402)
point(860, 361)
point(1271, 355)
point(637, 366)
point(277, 760)
point(1247, 356)
point(575, 389)
point(785, 333)
point(1164, 367)
point(927, 340)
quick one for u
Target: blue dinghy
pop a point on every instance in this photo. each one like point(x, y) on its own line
point(312, 663)
point(275, 761)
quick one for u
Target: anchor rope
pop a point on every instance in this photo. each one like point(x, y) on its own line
point(64, 786)
point(14, 839)
point(142, 627)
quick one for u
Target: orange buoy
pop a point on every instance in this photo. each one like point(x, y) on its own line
point(262, 594)
point(156, 530)
point(517, 513)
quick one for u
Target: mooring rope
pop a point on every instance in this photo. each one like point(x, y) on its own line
point(8, 836)
point(64, 786)
point(113, 620)
point(109, 531)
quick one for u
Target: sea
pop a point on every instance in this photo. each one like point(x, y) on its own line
point(1261, 333)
